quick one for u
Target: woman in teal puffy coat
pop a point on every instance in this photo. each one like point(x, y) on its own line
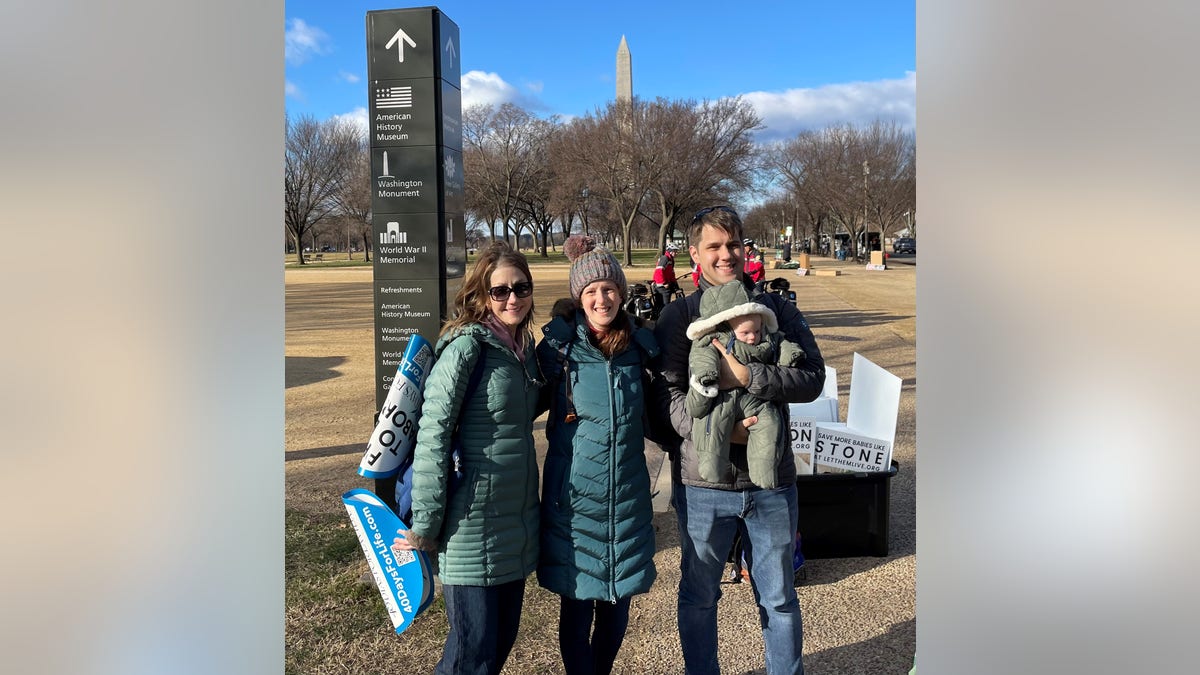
point(597, 538)
point(486, 531)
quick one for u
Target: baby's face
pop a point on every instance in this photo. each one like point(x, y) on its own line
point(747, 328)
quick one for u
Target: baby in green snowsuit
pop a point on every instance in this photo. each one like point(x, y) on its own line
point(748, 330)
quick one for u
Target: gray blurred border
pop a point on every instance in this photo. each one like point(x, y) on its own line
point(1057, 322)
point(143, 409)
point(143, 399)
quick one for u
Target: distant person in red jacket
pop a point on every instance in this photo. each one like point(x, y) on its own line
point(755, 270)
point(664, 279)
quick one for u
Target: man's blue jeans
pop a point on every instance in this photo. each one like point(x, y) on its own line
point(483, 627)
point(708, 521)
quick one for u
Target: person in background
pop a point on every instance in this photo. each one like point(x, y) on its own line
point(485, 533)
point(710, 513)
point(787, 250)
point(665, 283)
point(597, 548)
point(755, 271)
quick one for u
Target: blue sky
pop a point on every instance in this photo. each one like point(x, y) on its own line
point(800, 64)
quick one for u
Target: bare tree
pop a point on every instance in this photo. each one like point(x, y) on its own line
point(710, 156)
point(498, 158)
point(568, 197)
point(854, 177)
point(475, 236)
point(767, 221)
point(478, 197)
point(828, 169)
point(354, 199)
point(317, 158)
point(892, 181)
point(535, 203)
point(615, 150)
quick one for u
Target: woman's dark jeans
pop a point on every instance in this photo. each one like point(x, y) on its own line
point(593, 654)
point(483, 627)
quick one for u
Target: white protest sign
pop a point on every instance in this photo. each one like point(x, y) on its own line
point(804, 416)
point(864, 442)
point(803, 429)
point(396, 431)
point(837, 447)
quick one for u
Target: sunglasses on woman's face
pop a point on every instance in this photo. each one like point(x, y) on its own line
point(500, 293)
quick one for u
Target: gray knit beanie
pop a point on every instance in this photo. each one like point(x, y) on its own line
point(590, 264)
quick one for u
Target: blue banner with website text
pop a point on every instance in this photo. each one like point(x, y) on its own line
point(404, 578)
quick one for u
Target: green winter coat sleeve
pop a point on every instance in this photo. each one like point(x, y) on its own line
point(704, 371)
point(444, 392)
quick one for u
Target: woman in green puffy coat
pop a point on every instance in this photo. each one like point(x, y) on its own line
point(485, 531)
point(597, 546)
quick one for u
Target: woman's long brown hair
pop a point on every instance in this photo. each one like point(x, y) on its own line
point(471, 302)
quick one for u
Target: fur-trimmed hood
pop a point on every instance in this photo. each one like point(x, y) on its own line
point(724, 302)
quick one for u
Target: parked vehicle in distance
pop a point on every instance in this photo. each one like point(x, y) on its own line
point(904, 245)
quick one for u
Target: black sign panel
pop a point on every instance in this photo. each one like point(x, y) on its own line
point(452, 174)
point(405, 43)
point(455, 247)
point(417, 197)
point(405, 180)
point(404, 112)
point(451, 63)
point(402, 308)
point(451, 116)
point(401, 44)
point(407, 246)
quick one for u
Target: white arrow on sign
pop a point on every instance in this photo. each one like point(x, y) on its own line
point(450, 48)
point(400, 35)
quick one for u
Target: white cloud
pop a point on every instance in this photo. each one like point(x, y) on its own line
point(479, 87)
point(290, 89)
point(536, 87)
point(348, 77)
point(302, 41)
point(790, 112)
point(358, 117)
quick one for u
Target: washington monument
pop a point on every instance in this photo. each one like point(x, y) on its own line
point(624, 73)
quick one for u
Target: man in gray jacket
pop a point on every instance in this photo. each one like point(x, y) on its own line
point(709, 513)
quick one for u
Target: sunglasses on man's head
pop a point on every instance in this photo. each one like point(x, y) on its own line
point(500, 293)
point(704, 212)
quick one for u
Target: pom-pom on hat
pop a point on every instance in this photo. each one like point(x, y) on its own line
point(590, 264)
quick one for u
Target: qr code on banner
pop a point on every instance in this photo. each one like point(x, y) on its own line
point(404, 557)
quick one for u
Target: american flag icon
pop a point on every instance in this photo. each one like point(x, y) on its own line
point(393, 97)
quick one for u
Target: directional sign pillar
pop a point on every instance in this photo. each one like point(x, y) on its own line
point(415, 108)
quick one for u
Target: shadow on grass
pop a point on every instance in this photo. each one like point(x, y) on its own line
point(330, 451)
point(849, 318)
point(891, 652)
point(301, 370)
